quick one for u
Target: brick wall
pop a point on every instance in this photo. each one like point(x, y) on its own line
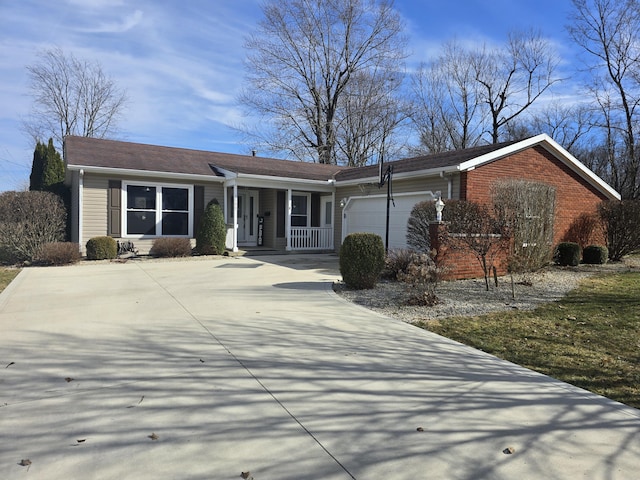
point(574, 195)
point(459, 264)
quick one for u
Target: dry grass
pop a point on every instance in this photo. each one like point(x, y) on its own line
point(591, 338)
point(6, 275)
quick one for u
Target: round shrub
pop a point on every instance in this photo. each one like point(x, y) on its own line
point(361, 260)
point(567, 253)
point(595, 254)
point(101, 248)
point(212, 232)
point(171, 247)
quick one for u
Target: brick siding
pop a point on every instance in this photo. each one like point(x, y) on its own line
point(574, 196)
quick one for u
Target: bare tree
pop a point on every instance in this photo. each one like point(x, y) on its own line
point(569, 125)
point(369, 113)
point(467, 93)
point(609, 32)
point(310, 61)
point(512, 78)
point(474, 228)
point(526, 211)
point(71, 97)
point(448, 113)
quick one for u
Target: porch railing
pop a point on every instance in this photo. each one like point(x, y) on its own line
point(311, 238)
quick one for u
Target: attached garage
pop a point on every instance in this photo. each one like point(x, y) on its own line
point(369, 214)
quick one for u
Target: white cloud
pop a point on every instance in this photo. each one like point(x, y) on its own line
point(121, 25)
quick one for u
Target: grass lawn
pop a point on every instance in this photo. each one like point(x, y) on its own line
point(6, 275)
point(591, 338)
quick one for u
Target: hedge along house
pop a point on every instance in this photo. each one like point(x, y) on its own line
point(141, 192)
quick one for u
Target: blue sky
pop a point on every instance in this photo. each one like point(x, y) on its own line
point(181, 62)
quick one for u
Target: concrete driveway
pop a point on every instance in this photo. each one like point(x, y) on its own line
point(209, 368)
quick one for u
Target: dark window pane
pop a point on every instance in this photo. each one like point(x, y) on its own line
point(175, 199)
point(141, 223)
point(298, 205)
point(298, 221)
point(141, 198)
point(175, 223)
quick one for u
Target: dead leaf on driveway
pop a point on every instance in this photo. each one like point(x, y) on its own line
point(153, 436)
point(25, 462)
point(9, 364)
point(246, 475)
point(68, 379)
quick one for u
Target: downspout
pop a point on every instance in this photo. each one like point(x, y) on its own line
point(80, 208)
point(449, 183)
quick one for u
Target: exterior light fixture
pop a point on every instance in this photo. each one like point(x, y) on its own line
point(439, 208)
point(343, 202)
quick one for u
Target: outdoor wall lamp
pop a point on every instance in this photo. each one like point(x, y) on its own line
point(439, 208)
point(343, 202)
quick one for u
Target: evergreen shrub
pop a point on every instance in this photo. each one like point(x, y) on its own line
point(361, 260)
point(595, 254)
point(212, 231)
point(567, 253)
point(101, 248)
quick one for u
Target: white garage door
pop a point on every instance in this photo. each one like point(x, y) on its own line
point(369, 214)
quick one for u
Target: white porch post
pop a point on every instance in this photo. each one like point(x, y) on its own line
point(235, 217)
point(288, 220)
point(333, 220)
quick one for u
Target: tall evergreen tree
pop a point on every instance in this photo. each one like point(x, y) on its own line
point(47, 169)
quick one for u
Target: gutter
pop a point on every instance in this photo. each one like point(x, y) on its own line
point(144, 173)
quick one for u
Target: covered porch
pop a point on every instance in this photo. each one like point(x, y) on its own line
point(287, 219)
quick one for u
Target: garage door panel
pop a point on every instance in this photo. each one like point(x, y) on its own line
point(368, 214)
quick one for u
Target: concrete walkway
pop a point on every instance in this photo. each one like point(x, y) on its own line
point(206, 369)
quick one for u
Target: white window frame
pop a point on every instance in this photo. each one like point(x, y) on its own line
point(158, 211)
point(308, 214)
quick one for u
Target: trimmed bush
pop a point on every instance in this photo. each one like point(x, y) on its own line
point(567, 253)
point(361, 260)
point(595, 254)
point(171, 247)
point(212, 232)
point(101, 248)
point(58, 253)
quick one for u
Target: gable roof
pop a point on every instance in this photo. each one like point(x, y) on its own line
point(94, 154)
point(435, 162)
point(111, 156)
point(470, 158)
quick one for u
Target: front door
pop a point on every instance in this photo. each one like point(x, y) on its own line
point(326, 211)
point(247, 217)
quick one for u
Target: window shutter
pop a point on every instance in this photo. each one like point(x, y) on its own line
point(315, 209)
point(114, 208)
point(198, 207)
point(282, 213)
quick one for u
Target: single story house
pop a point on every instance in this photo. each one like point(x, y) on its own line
point(141, 192)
